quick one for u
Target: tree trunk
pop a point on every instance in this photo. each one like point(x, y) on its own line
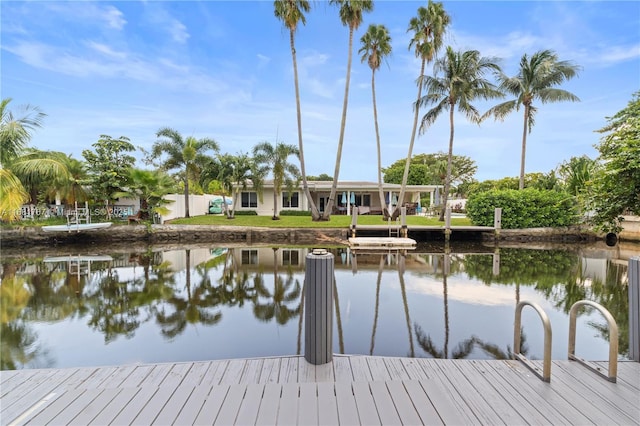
point(405, 175)
point(275, 204)
point(186, 195)
point(447, 181)
point(524, 145)
point(336, 174)
point(383, 204)
point(315, 214)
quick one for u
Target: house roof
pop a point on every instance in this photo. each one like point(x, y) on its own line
point(357, 186)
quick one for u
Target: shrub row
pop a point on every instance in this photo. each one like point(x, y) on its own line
point(295, 213)
point(529, 208)
point(245, 213)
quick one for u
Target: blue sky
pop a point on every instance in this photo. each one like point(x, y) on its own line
point(223, 70)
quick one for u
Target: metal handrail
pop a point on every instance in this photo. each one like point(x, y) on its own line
point(613, 340)
point(546, 365)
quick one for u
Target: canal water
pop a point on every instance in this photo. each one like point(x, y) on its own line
point(139, 304)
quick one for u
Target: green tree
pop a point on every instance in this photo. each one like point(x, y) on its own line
point(185, 154)
point(15, 134)
point(16, 130)
point(291, 12)
point(322, 177)
point(462, 81)
point(431, 169)
point(235, 172)
point(109, 166)
point(275, 160)
point(617, 185)
point(428, 29)
point(73, 189)
point(536, 80)
point(150, 186)
point(577, 173)
point(351, 16)
point(376, 46)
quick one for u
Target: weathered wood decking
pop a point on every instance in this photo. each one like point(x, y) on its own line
point(349, 390)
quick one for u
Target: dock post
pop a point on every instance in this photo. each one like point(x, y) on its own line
point(497, 220)
point(318, 321)
point(447, 223)
point(354, 222)
point(496, 262)
point(403, 221)
point(634, 308)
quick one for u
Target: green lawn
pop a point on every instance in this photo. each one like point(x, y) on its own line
point(306, 222)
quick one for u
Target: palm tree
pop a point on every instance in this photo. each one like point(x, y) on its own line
point(536, 79)
point(274, 160)
point(15, 134)
point(462, 81)
point(428, 30)
point(351, 16)
point(234, 173)
point(183, 154)
point(151, 187)
point(376, 46)
point(291, 12)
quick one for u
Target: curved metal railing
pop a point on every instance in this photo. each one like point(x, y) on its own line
point(613, 340)
point(517, 336)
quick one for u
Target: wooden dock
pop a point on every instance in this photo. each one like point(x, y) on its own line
point(350, 390)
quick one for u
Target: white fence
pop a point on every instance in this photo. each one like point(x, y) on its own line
point(198, 205)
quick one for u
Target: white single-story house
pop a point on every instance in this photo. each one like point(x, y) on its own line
point(349, 194)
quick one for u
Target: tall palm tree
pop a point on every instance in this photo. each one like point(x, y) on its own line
point(184, 154)
point(275, 160)
point(291, 12)
point(351, 16)
point(376, 46)
point(459, 79)
point(536, 80)
point(428, 30)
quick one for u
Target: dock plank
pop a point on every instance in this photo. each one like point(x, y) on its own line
point(270, 371)
point(327, 404)
point(288, 410)
point(231, 405)
point(423, 406)
point(342, 369)
point(347, 408)
point(95, 407)
point(268, 411)
point(191, 408)
point(384, 403)
point(403, 403)
point(308, 405)
point(114, 406)
point(248, 411)
point(196, 373)
point(211, 407)
point(367, 410)
point(288, 390)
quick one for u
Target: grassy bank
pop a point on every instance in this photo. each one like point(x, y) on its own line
point(306, 222)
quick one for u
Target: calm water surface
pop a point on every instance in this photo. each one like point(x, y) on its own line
point(153, 304)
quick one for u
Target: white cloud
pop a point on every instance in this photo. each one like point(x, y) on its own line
point(178, 31)
point(114, 18)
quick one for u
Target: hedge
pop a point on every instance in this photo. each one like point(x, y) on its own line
point(527, 208)
point(295, 213)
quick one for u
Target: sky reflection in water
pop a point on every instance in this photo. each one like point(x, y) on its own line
point(146, 306)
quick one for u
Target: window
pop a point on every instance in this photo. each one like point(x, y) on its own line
point(290, 257)
point(290, 202)
point(363, 200)
point(249, 199)
point(249, 257)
